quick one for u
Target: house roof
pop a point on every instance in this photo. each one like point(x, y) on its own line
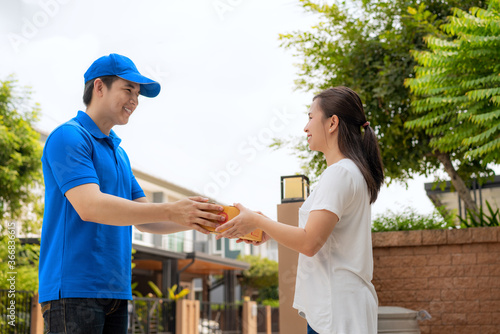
point(205, 264)
point(194, 263)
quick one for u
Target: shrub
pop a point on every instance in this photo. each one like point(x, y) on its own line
point(410, 219)
point(481, 219)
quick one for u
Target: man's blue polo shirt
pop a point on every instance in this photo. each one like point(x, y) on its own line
point(80, 259)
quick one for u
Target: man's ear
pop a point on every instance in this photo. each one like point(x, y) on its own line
point(98, 87)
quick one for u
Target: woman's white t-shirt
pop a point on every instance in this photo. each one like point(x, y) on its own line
point(333, 289)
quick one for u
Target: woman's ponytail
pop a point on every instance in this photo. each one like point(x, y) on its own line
point(373, 159)
point(361, 148)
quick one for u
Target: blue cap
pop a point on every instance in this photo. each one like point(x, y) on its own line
point(122, 67)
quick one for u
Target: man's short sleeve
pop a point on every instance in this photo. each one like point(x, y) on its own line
point(334, 191)
point(137, 191)
point(68, 154)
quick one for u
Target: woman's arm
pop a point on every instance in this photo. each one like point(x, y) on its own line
point(307, 241)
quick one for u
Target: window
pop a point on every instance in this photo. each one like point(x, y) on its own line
point(138, 235)
point(234, 246)
point(173, 242)
point(217, 246)
point(188, 242)
point(142, 238)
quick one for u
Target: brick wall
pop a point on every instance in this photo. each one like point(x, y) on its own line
point(453, 274)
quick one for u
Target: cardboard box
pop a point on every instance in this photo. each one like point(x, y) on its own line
point(230, 212)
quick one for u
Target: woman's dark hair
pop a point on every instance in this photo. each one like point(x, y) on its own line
point(89, 87)
point(361, 148)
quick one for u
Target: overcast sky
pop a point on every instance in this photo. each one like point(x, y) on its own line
point(227, 87)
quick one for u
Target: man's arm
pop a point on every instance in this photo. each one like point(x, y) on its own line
point(159, 228)
point(93, 205)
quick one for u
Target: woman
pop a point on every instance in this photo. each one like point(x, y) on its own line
point(333, 287)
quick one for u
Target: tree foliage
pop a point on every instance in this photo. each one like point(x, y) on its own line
point(26, 264)
point(366, 45)
point(20, 154)
point(458, 85)
point(20, 178)
point(260, 278)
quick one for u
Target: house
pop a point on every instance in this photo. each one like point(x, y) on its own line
point(194, 256)
point(489, 192)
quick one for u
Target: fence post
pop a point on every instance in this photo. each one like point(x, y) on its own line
point(187, 316)
point(249, 317)
point(268, 320)
point(36, 326)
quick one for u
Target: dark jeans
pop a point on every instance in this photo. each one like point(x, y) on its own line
point(85, 316)
point(310, 330)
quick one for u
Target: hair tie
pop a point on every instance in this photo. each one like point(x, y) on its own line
point(366, 124)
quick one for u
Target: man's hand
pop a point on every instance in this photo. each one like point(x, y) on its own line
point(193, 212)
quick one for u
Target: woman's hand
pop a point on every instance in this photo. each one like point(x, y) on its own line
point(265, 237)
point(242, 224)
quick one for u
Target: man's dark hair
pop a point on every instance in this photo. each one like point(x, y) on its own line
point(89, 87)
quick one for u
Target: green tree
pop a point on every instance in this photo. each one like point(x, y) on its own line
point(25, 264)
point(261, 279)
point(366, 45)
point(20, 184)
point(457, 85)
point(20, 154)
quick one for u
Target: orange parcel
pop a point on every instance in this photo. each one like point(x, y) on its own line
point(230, 212)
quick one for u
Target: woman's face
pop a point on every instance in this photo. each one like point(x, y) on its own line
point(317, 128)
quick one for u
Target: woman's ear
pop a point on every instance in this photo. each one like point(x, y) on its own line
point(334, 123)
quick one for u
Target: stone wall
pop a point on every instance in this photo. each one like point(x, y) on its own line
point(453, 274)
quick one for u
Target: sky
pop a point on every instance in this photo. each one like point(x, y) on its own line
point(227, 87)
